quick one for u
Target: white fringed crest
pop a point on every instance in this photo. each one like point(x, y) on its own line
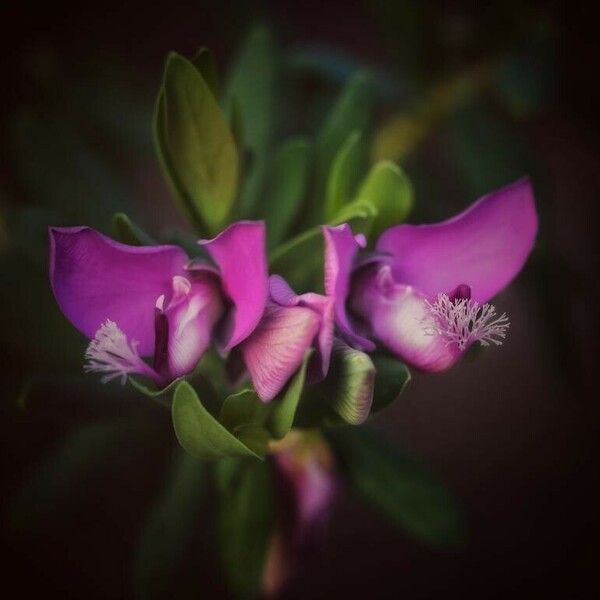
point(465, 321)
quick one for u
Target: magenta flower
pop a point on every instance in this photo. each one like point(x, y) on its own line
point(290, 325)
point(308, 488)
point(136, 302)
point(424, 294)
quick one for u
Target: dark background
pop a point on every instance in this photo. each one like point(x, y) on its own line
point(513, 432)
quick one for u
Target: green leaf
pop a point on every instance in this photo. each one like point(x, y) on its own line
point(353, 111)
point(244, 523)
point(252, 85)
point(391, 380)
point(128, 232)
point(197, 150)
point(308, 272)
point(399, 487)
point(288, 185)
point(345, 174)
point(168, 528)
point(204, 61)
point(241, 409)
point(283, 408)
point(389, 190)
point(199, 432)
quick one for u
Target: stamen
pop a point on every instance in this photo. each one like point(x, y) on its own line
point(110, 352)
point(465, 321)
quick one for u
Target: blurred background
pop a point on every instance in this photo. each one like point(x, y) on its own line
point(470, 96)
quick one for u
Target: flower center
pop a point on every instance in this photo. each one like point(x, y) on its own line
point(111, 353)
point(463, 321)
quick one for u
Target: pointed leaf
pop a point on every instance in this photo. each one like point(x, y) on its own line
point(389, 190)
point(288, 185)
point(283, 408)
point(353, 111)
point(128, 232)
point(399, 487)
point(252, 83)
point(168, 528)
point(204, 61)
point(390, 381)
point(199, 432)
point(344, 174)
point(197, 149)
point(245, 522)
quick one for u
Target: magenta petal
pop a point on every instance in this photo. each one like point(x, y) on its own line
point(276, 348)
point(239, 252)
point(400, 319)
point(281, 293)
point(340, 251)
point(95, 278)
point(191, 314)
point(484, 247)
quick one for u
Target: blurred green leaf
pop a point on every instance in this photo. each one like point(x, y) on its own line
point(245, 521)
point(308, 272)
point(204, 61)
point(345, 174)
point(288, 185)
point(389, 190)
point(353, 111)
point(168, 528)
point(391, 379)
point(196, 148)
point(199, 432)
point(252, 85)
point(242, 409)
point(127, 232)
point(283, 408)
point(399, 487)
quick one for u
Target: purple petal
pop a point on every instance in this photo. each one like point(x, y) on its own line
point(186, 321)
point(282, 294)
point(95, 278)
point(340, 251)
point(400, 319)
point(274, 351)
point(305, 464)
point(239, 252)
point(484, 247)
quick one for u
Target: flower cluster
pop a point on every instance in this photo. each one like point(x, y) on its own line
point(422, 294)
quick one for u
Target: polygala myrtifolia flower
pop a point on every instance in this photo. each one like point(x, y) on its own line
point(135, 302)
point(307, 489)
point(423, 294)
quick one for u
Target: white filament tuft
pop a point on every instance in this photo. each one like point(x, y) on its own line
point(465, 321)
point(110, 352)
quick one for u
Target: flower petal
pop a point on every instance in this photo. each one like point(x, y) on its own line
point(186, 323)
point(239, 252)
point(484, 247)
point(275, 349)
point(95, 278)
point(400, 319)
point(340, 250)
point(282, 294)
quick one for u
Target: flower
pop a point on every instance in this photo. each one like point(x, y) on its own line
point(290, 325)
point(308, 487)
point(135, 302)
point(423, 294)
